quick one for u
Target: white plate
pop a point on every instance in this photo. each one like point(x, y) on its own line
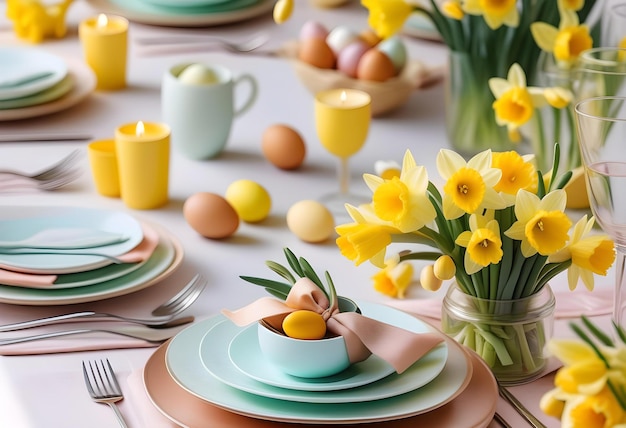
point(131, 10)
point(18, 61)
point(20, 222)
point(186, 368)
point(473, 408)
point(245, 355)
point(216, 361)
point(166, 258)
point(84, 84)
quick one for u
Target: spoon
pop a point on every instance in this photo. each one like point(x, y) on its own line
point(66, 238)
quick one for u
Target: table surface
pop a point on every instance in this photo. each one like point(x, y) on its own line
point(48, 390)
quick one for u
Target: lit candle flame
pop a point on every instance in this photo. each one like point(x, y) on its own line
point(343, 97)
point(102, 21)
point(140, 129)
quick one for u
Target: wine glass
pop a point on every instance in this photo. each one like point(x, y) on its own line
point(342, 120)
point(601, 136)
point(601, 72)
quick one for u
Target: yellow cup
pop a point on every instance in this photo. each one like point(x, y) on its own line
point(103, 161)
point(104, 41)
point(143, 153)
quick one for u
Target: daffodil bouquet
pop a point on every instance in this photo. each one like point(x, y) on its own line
point(590, 388)
point(486, 40)
point(496, 228)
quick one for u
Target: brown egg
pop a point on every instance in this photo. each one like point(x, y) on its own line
point(317, 53)
point(375, 65)
point(210, 215)
point(283, 146)
point(370, 37)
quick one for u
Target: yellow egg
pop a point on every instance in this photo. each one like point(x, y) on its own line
point(310, 221)
point(250, 200)
point(304, 324)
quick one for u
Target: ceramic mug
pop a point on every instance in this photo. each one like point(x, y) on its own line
point(200, 115)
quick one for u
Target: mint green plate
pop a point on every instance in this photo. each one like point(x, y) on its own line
point(16, 61)
point(160, 9)
point(184, 363)
point(372, 379)
point(165, 259)
point(54, 92)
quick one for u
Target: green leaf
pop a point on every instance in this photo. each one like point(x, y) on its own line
point(281, 270)
point(310, 273)
point(280, 287)
point(293, 262)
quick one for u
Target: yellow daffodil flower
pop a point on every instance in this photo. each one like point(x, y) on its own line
point(542, 224)
point(558, 97)
point(566, 42)
point(552, 404)
point(515, 102)
point(495, 12)
point(452, 9)
point(518, 172)
point(402, 201)
point(574, 5)
point(469, 185)
point(394, 279)
point(444, 268)
point(596, 411)
point(482, 242)
point(590, 254)
point(386, 17)
point(361, 241)
point(387, 169)
point(282, 11)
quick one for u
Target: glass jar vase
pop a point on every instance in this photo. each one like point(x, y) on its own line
point(510, 335)
point(470, 119)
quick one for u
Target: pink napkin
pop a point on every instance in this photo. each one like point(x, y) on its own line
point(138, 254)
point(363, 335)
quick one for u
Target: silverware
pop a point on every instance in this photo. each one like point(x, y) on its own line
point(520, 408)
point(15, 138)
point(162, 315)
point(500, 420)
point(103, 386)
point(51, 178)
point(142, 332)
point(66, 238)
point(176, 44)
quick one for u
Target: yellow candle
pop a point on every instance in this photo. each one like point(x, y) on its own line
point(143, 153)
point(342, 120)
point(104, 41)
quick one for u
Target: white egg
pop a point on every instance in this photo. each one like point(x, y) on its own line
point(340, 37)
point(198, 74)
point(395, 49)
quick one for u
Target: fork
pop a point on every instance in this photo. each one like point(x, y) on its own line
point(173, 44)
point(102, 385)
point(53, 177)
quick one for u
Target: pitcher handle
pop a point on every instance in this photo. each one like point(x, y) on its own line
point(254, 89)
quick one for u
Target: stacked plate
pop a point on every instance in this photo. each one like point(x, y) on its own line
point(131, 255)
point(35, 82)
point(215, 371)
point(185, 13)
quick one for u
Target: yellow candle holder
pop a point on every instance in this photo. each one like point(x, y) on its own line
point(34, 20)
point(143, 153)
point(104, 39)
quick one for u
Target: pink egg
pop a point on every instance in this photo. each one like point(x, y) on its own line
point(349, 57)
point(313, 30)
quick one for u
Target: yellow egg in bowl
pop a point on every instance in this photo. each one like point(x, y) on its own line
point(386, 95)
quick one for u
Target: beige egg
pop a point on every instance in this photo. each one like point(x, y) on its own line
point(317, 53)
point(283, 146)
point(310, 221)
point(375, 65)
point(210, 215)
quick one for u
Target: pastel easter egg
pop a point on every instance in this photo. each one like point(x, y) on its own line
point(317, 53)
point(375, 66)
point(249, 199)
point(313, 30)
point(349, 57)
point(198, 74)
point(310, 221)
point(304, 325)
point(340, 37)
point(395, 49)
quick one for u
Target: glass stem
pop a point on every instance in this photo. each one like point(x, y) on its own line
point(344, 176)
point(619, 299)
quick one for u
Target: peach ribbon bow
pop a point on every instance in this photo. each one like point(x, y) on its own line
point(363, 336)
